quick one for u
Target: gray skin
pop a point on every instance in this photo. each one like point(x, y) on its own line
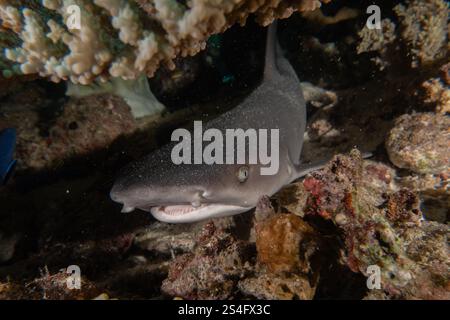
point(188, 192)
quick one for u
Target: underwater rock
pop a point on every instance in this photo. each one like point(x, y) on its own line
point(285, 246)
point(378, 179)
point(437, 95)
point(55, 287)
point(424, 29)
point(420, 38)
point(170, 82)
point(171, 239)
point(8, 246)
point(275, 287)
point(212, 270)
point(318, 97)
point(285, 243)
point(168, 239)
point(403, 208)
point(136, 93)
point(379, 40)
point(427, 246)
point(433, 193)
point(293, 198)
point(364, 110)
point(375, 235)
point(420, 142)
point(85, 125)
point(327, 229)
point(49, 287)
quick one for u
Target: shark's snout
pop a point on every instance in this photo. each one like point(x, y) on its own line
point(148, 195)
point(176, 201)
point(118, 194)
point(115, 194)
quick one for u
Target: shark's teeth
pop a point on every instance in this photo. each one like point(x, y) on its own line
point(187, 214)
point(178, 210)
point(127, 209)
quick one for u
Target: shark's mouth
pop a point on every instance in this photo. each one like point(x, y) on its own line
point(189, 213)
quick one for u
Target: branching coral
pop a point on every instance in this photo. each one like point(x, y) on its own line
point(118, 38)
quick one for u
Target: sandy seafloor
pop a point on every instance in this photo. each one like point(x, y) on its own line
point(314, 240)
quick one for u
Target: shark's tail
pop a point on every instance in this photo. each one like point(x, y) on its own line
point(270, 67)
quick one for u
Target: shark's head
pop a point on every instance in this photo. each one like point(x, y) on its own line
point(193, 192)
point(190, 192)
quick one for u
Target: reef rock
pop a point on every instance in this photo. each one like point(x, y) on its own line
point(420, 142)
point(212, 270)
point(389, 235)
point(84, 125)
point(286, 247)
point(420, 37)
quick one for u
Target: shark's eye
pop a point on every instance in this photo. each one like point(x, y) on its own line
point(243, 173)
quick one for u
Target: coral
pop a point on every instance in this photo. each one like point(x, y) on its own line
point(286, 247)
point(403, 208)
point(85, 125)
point(220, 266)
point(326, 229)
point(318, 97)
point(168, 239)
point(274, 287)
point(424, 29)
point(437, 95)
point(212, 270)
point(118, 38)
point(445, 73)
point(50, 287)
point(285, 243)
point(420, 142)
point(8, 246)
point(433, 192)
point(54, 287)
point(378, 40)
point(427, 246)
point(422, 32)
point(136, 93)
point(293, 197)
point(389, 235)
point(343, 14)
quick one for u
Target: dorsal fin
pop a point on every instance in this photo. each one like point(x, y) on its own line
point(270, 67)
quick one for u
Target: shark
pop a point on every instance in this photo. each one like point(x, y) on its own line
point(185, 193)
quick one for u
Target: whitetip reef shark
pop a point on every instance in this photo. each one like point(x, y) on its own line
point(182, 193)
